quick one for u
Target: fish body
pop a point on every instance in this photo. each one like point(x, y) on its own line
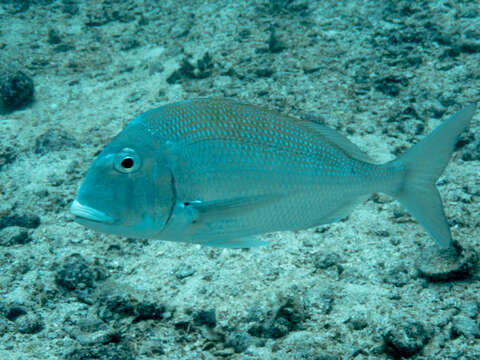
point(219, 173)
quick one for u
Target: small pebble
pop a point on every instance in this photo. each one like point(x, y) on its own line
point(184, 271)
point(464, 326)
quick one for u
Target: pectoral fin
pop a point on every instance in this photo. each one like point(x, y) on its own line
point(231, 206)
point(220, 223)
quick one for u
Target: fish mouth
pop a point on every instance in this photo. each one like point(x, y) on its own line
point(86, 213)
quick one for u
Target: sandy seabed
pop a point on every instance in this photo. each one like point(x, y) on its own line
point(383, 73)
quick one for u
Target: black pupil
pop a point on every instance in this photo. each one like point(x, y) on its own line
point(127, 163)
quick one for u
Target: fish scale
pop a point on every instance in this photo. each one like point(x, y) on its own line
point(219, 173)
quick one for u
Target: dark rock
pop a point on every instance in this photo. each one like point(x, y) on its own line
point(63, 48)
point(130, 43)
point(14, 235)
point(25, 321)
point(75, 273)
point(439, 264)
point(406, 338)
point(464, 326)
point(398, 276)
point(205, 317)
point(54, 37)
point(469, 47)
point(287, 318)
point(29, 323)
point(324, 260)
point(274, 43)
point(149, 311)
point(201, 70)
point(264, 72)
point(54, 140)
point(7, 155)
point(463, 140)
point(26, 221)
point(14, 312)
point(116, 303)
point(16, 90)
point(390, 85)
point(358, 321)
point(70, 7)
point(109, 351)
point(471, 152)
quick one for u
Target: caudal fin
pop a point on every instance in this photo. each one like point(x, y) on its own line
point(423, 164)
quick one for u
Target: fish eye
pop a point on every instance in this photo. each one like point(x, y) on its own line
point(127, 161)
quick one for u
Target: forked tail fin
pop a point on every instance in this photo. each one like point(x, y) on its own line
point(423, 164)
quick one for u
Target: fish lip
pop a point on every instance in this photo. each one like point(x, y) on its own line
point(87, 213)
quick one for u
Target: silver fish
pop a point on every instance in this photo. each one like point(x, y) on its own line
point(219, 173)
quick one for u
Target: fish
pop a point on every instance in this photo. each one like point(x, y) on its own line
point(221, 173)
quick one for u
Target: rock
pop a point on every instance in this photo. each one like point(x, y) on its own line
point(264, 72)
point(390, 85)
point(28, 221)
point(464, 326)
point(14, 235)
point(288, 317)
point(397, 276)
point(116, 303)
point(184, 271)
point(205, 317)
point(320, 297)
point(29, 323)
point(275, 45)
point(200, 70)
point(7, 154)
point(75, 273)
point(54, 140)
point(13, 312)
point(54, 37)
point(324, 260)
point(25, 321)
point(152, 348)
point(439, 264)
point(70, 7)
point(358, 321)
point(239, 341)
point(405, 338)
point(109, 351)
point(149, 311)
point(470, 309)
point(16, 90)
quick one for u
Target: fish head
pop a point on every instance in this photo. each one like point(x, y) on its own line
point(128, 189)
